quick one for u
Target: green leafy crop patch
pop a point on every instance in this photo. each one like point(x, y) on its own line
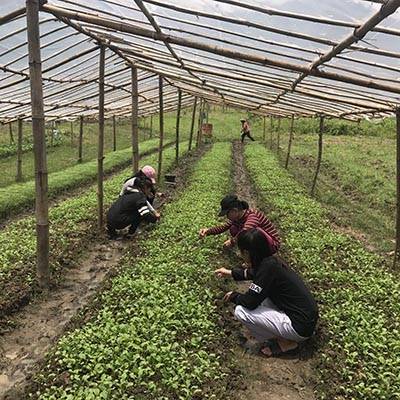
point(18, 196)
point(155, 335)
point(72, 225)
point(359, 298)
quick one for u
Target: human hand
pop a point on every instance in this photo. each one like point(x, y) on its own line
point(203, 232)
point(157, 214)
point(227, 296)
point(223, 272)
point(227, 243)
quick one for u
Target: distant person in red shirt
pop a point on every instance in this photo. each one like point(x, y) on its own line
point(245, 130)
point(242, 218)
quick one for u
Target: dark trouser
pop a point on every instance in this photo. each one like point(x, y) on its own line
point(112, 227)
point(248, 135)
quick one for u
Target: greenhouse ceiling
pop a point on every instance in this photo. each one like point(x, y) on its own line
point(271, 57)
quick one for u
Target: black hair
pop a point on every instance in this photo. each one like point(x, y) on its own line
point(243, 205)
point(256, 244)
point(139, 174)
point(142, 183)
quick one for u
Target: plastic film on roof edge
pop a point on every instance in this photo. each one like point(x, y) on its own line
point(267, 56)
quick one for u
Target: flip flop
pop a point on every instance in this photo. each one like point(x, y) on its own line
point(275, 349)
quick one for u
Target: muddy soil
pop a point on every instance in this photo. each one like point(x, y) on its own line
point(41, 323)
point(288, 377)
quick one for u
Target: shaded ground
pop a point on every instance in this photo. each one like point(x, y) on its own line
point(288, 378)
point(42, 322)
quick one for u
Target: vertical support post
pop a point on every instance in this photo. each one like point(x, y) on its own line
point(151, 126)
point(178, 117)
point(321, 130)
point(207, 111)
point(397, 247)
point(290, 141)
point(161, 143)
point(72, 132)
point(114, 134)
point(100, 148)
point(278, 135)
point(80, 144)
point(264, 129)
point(11, 133)
point(19, 152)
point(200, 119)
point(193, 121)
point(135, 130)
point(271, 132)
point(39, 143)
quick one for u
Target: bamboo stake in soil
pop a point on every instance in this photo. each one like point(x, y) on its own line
point(397, 248)
point(321, 130)
point(178, 117)
point(160, 146)
point(135, 134)
point(100, 153)
point(19, 152)
point(39, 143)
point(114, 134)
point(290, 142)
point(192, 125)
point(80, 139)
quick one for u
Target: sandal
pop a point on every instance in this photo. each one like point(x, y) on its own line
point(275, 349)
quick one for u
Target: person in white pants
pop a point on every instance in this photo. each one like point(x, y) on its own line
point(278, 309)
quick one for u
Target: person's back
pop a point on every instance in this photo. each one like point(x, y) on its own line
point(126, 206)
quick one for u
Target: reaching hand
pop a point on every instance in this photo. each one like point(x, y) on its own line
point(223, 272)
point(157, 214)
point(227, 296)
point(227, 243)
point(203, 232)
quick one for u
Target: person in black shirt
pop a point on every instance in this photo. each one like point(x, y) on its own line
point(278, 308)
point(130, 209)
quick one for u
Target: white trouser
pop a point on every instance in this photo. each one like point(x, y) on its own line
point(267, 322)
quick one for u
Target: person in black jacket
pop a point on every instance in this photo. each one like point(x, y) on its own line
point(278, 308)
point(130, 209)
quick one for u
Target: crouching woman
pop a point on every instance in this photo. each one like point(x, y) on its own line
point(278, 309)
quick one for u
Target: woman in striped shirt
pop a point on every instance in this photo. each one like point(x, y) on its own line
point(242, 218)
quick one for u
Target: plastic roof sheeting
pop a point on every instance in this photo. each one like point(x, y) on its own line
point(287, 32)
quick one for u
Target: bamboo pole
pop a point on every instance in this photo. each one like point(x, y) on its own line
point(114, 133)
point(39, 143)
point(271, 132)
point(100, 153)
point(193, 122)
point(397, 246)
point(264, 129)
point(290, 142)
point(135, 130)
point(161, 143)
point(128, 28)
point(151, 126)
point(321, 130)
point(80, 144)
point(11, 133)
point(199, 123)
point(72, 132)
point(178, 117)
point(19, 152)
point(278, 135)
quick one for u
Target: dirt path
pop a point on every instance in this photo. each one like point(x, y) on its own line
point(41, 323)
point(268, 378)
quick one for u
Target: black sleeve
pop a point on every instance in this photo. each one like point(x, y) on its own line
point(144, 210)
point(258, 291)
point(242, 274)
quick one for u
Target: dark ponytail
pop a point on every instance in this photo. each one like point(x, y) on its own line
point(243, 205)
